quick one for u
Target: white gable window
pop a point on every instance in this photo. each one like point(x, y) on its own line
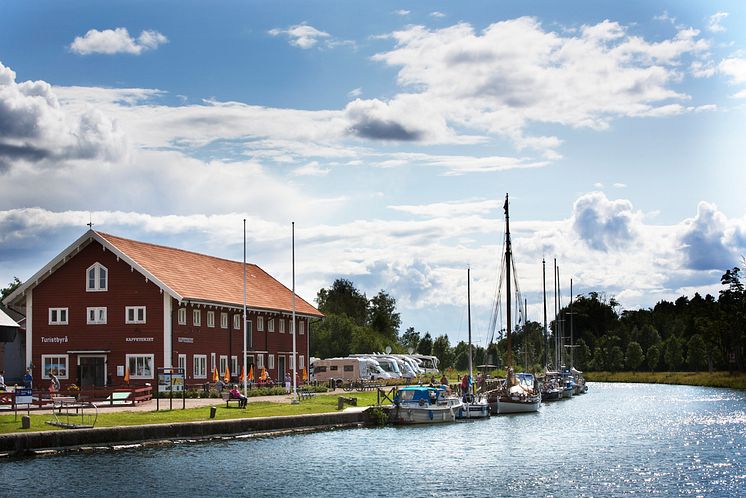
point(301, 327)
point(271, 325)
point(302, 361)
point(97, 278)
point(211, 319)
point(260, 324)
point(182, 316)
point(271, 362)
point(213, 365)
point(96, 316)
point(282, 325)
point(223, 320)
point(237, 322)
point(260, 361)
point(134, 314)
point(196, 318)
point(57, 316)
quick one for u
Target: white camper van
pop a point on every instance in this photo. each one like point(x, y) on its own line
point(347, 369)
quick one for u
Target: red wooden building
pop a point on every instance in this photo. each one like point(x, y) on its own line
point(107, 305)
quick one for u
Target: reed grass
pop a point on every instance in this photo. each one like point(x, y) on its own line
point(735, 380)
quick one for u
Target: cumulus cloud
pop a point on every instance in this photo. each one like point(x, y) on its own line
point(714, 23)
point(710, 241)
point(311, 169)
point(116, 41)
point(34, 126)
point(301, 35)
point(603, 224)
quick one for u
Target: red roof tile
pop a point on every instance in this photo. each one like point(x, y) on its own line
point(199, 277)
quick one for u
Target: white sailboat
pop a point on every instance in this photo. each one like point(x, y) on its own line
point(475, 404)
point(519, 393)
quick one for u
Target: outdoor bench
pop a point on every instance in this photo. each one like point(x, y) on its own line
point(306, 394)
point(228, 398)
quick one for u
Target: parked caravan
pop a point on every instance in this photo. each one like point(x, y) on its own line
point(347, 369)
point(428, 363)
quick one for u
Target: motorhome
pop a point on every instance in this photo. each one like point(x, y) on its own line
point(347, 369)
point(427, 362)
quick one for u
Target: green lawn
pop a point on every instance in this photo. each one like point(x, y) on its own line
point(318, 404)
point(709, 379)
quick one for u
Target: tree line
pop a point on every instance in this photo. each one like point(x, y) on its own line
point(701, 333)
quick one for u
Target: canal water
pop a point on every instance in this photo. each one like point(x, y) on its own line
point(619, 439)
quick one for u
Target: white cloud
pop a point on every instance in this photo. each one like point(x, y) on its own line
point(437, 14)
point(355, 92)
point(402, 12)
point(311, 169)
point(603, 224)
point(710, 241)
point(451, 209)
point(116, 41)
point(714, 23)
point(301, 35)
point(620, 185)
point(735, 68)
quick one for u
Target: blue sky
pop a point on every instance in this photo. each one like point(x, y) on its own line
point(390, 133)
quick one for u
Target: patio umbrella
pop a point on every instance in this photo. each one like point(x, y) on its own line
point(240, 377)
point(251, 373)
point(305, 375)
point(227, 376)
point(127, 375)
point(215, 375)
point(264, 374)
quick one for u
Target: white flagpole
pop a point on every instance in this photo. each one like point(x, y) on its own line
point(295, 362)
point(245, 373)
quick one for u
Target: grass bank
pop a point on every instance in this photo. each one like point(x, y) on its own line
point(317, 404)
point(707, 379)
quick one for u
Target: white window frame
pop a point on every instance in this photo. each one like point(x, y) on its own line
point(282, 325)
point(271, 325)
point(97, 287)
point(182, 362)
point(271, 361)
point(223, 364)
point(181, 318)
point(301, 327)
point(260, 324)
point(133, 372)
point(213, 362)
point(57, 312)
point(197, 318)
point(211, 319)
point(95, 315)
point(302, 361)
point(223, 320)
point(45, 371)
point(237, 321)
point(260, 360)
point(135, 310)
point(234, 365)
point(199, 364)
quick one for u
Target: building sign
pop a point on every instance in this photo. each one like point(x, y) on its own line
point(139, 339)
point(23, 396)
point(170, 382)
point(188, 340)
point(56, 340)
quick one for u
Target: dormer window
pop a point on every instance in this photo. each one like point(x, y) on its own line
point(97, 278)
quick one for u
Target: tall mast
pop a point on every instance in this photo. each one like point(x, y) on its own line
point(572, 345)
point(561, 321)
point(295, 360)
point(468, 314)
point(546, 337)
point(508, 260)
point(245, 318)
point(556, 322)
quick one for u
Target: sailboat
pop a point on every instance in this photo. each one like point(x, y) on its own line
point(475, 405)
point(519, 393)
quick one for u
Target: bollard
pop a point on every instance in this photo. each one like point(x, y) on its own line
point(213, 410)
point(25, 422)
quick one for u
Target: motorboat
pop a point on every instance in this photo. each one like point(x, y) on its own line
point(425, 405)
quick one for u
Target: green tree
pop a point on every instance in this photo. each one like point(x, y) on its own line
point(635, 357)
point(672, 354)
point(10, 288)
point(333, 337)
point(696, 352)
point(649, 336)
point(616, 360)
point(652, 356)
point(382, 315)
point(365, 340)
point(442, 350)
point(426, 345)
point(343, 299)
point(461, 356)
point(410, 339)
point(599, 360)
point(582, 355)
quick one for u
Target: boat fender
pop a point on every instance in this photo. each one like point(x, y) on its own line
point(422, 402)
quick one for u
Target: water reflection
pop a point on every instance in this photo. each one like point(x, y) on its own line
point(618, 439)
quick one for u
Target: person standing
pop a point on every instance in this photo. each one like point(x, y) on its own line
point(288, 380)
point(54, 383)
point(28, 379)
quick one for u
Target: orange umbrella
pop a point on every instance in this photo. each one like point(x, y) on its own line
point(251, 372)
point(127, 375)
point(215, 375)
point(240, 377)
point(264, 374)
point(227, 376)
point(305, 375)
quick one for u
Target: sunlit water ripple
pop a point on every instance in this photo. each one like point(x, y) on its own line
point(619, 439)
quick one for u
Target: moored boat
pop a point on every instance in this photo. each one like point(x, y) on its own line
point(425, 405)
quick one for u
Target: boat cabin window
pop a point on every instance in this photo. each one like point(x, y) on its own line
point(349, 368)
